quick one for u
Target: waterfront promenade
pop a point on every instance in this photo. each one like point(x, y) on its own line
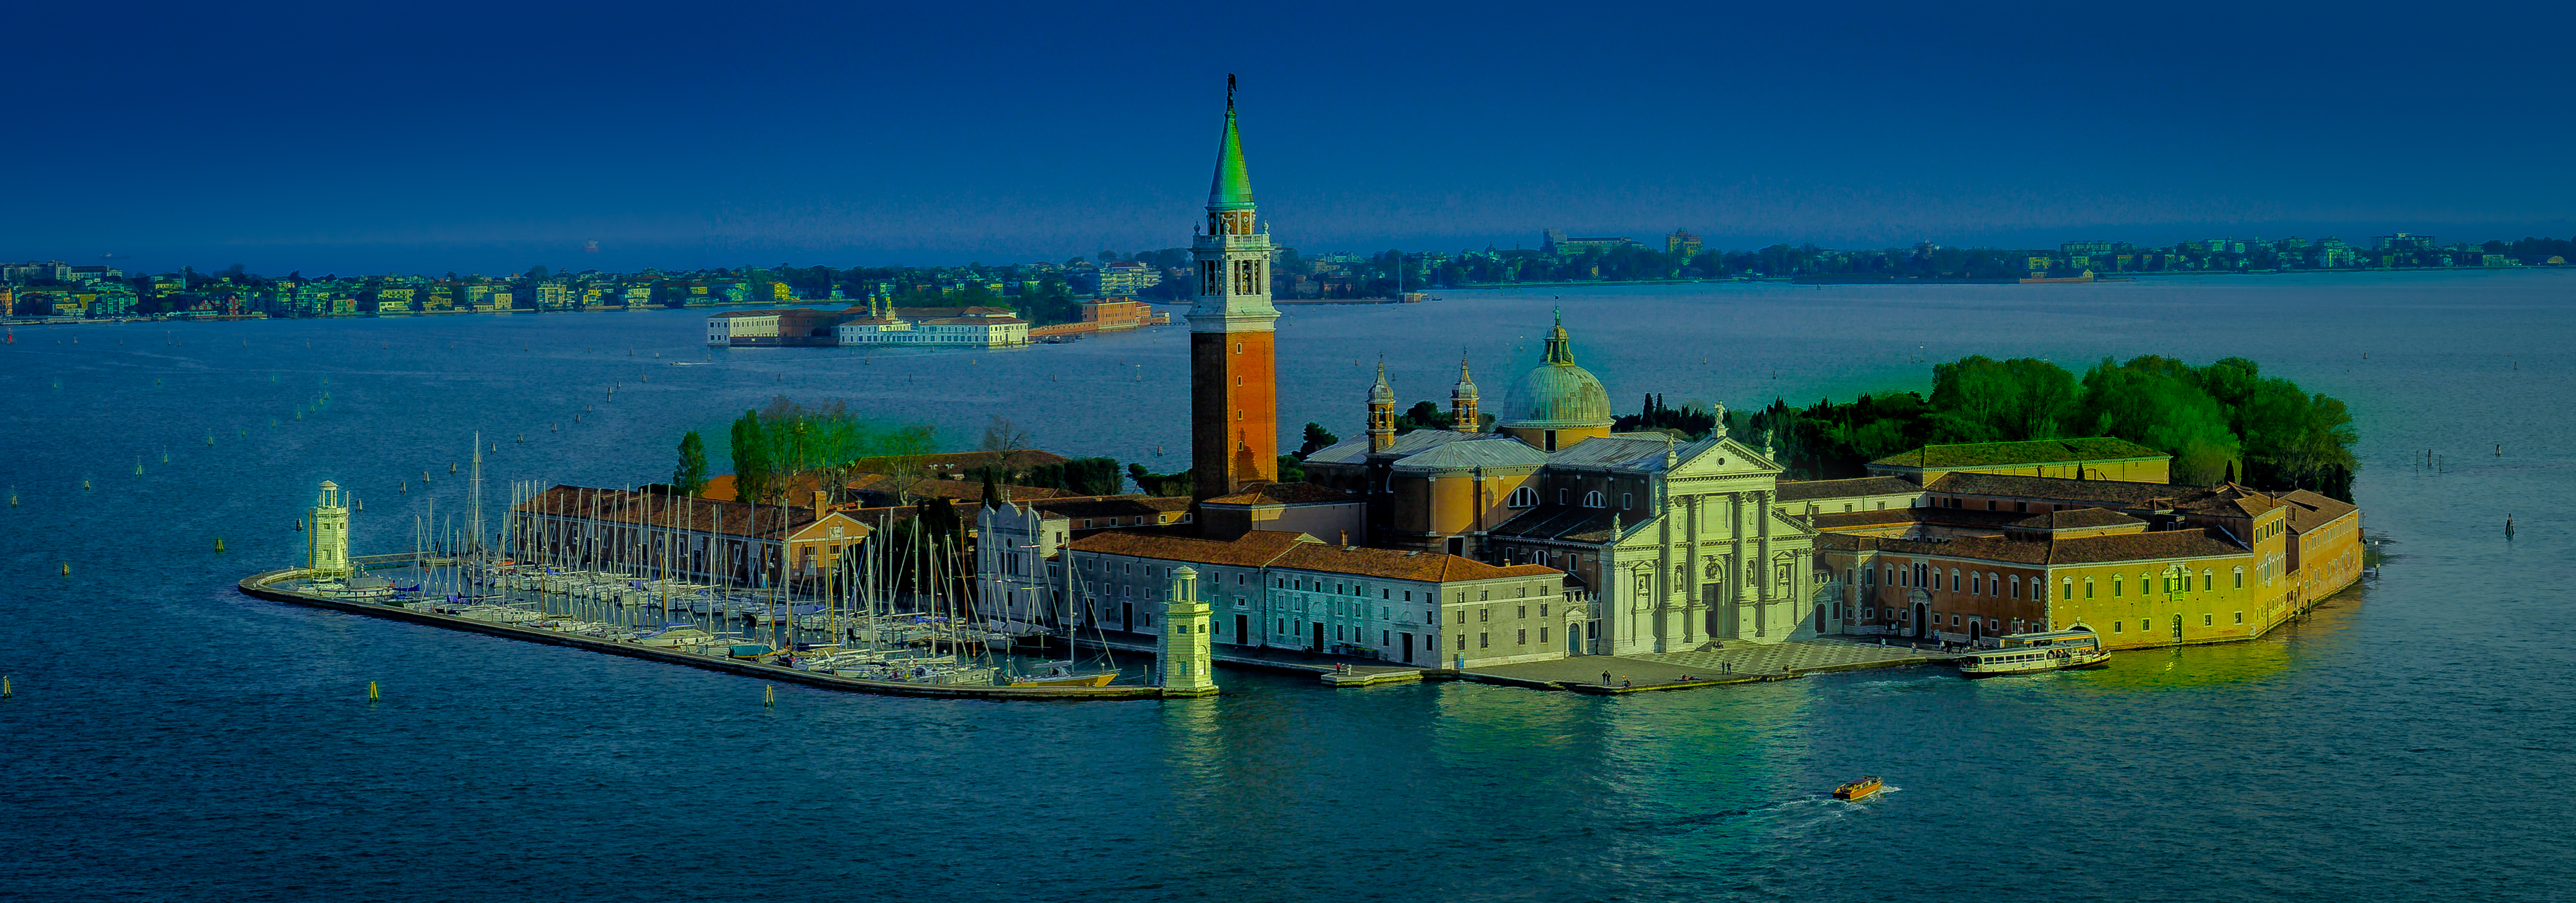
point(1635, 672)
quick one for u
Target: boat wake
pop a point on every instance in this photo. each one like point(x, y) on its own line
point(1791, 819)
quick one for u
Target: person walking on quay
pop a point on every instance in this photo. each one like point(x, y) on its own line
point(1605, 678)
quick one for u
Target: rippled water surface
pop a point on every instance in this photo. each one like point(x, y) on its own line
point(171, 739)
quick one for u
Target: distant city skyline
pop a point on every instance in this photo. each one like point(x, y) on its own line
point(490, 138)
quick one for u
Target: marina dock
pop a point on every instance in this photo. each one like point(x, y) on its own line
point(268, 586)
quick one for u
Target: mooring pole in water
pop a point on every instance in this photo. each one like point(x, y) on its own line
point(5, 689)
point(769, 695)
point(372, 695)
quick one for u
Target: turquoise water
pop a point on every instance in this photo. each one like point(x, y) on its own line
point(170, 739)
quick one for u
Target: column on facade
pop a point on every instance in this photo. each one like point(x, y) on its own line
point(1737, 573)
point(1694, 614)
point(1667, 633)
point(1764, 618)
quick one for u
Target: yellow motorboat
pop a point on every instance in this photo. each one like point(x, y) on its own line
point(1859, 790)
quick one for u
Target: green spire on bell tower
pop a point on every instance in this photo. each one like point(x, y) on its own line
point(1232, 187)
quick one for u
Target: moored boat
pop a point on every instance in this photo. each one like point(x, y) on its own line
point(1063, 674)
point(2032, 653)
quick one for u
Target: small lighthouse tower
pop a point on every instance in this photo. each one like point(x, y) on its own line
point(328, 550)
point(1181, 661)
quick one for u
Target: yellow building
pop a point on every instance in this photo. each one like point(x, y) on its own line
point(1986, 555)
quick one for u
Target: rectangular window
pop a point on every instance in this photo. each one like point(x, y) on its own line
point(1462, 642)
point(2115, 586)
point(2240, 617)
point(1542, 609)
point(2118, 626)
point(1484, 641)
point(2207, 619)
point(1484, 614)
point(1524, 612)
point(2240, 578)
point(1523, 640)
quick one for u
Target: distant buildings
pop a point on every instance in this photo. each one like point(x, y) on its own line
point(1127, 279)
point(966, 327)
point(1682, 243)
point(1554, 241)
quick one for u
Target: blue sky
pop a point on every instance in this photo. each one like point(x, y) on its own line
point(485, 137)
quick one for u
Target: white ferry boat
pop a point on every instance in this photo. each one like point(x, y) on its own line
point(2031, 653)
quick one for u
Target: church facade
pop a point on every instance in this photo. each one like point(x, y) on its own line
point(1666, 545)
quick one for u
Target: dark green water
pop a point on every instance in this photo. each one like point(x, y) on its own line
point(172, 740)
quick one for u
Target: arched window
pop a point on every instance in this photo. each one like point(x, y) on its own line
point(1594, 500)
point(1524, 497)
point(1954, 580)
point(2208, 581)
point(2240, 578)
point(1976, 582)
point(2016, 589)
point(1994, 584)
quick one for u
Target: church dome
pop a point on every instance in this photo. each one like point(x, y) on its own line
point(1557, 395)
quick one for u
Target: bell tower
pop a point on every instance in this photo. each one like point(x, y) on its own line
point(1381, 416)
point(1234, 392)
point(1462, 401)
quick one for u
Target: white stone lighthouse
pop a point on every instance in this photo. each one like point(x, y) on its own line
point(327, 552)
point(1181, 663)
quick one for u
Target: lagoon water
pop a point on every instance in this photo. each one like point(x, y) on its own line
point(170, 739)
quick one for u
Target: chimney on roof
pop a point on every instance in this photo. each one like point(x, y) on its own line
point(822, 500)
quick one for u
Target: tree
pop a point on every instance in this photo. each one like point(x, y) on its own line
point(691, 474)
point(1001, 435)
point(1424, 416)
point(751, 462)
point(1317, 439)
point(537, 272)
point(1978, 399)
point(2146, 402)
point(1151, 483)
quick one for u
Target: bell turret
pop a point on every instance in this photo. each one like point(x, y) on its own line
point(1462, 401)
point(1381, 412)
